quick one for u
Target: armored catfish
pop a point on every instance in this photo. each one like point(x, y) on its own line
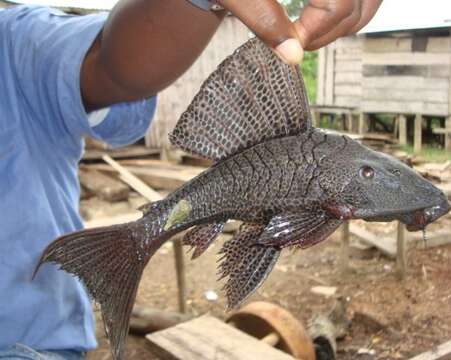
point(291, 184)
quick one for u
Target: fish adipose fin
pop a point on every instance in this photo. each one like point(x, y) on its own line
point(252, 97)
point(245, 264)
point(110, 262)
point(301, 229)
point(201, 237)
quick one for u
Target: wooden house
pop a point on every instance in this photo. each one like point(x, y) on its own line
point(175, 99)
point(400, 64)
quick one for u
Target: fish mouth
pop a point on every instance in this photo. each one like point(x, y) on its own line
point(419, 219)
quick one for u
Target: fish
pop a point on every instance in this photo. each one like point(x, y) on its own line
point(290, 184)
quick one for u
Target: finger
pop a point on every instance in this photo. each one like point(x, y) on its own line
point(341, 29)
point(369, 9)
point(350, 25)
point(269, 21)
point(320, 17)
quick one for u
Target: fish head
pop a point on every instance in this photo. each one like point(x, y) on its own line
point(373, 186)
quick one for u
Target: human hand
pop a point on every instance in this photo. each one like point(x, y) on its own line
point(320, 23)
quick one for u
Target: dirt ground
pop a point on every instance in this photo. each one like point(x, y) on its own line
point(388, 318)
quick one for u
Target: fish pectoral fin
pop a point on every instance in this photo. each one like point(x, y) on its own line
point(302, 229)
point(246, 264)
point(201, 237)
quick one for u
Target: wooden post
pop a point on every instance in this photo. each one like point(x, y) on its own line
point(180, 271)
point(448, 133)
point(344, 259)
point(402, 122)
point(363, 123)
point(316, 118)
point(418, 134)
point(401, 253)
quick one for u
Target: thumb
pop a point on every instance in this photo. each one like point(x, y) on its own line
point(267, 20)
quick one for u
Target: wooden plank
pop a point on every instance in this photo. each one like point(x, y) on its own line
point(103, 186)
point(158, 176)
point(439, 44)
point(134, 182)
point(348, 66)
point(418, 134)
point(348, 78)
point(387, 44)
point(348, 101)
point(121, 153)
point(406, 70)
point(396, 107)
point(401, 251)
point(441, 352)
point(348, 90)
point(403, 82)
point(402, 129)
point(207, 338)
point(385, 244)
point(407, 95)
point(403, 58)
point(321, 78)
point(330, 70)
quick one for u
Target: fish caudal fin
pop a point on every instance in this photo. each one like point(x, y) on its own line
point(110, 262)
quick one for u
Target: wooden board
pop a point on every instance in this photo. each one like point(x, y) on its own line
point(386, 245)
point(207, 338)
point(157, 174)
point(402, 58)
point(122, 153)
point(441, 352)
point(105, 187)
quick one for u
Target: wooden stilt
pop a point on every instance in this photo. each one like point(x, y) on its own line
point(316, 116)
point(180, 271)
point(401, 253)
point(417, 143)
point(402, 122)
point(344, 259)
point(448, 133)
point(363, 123)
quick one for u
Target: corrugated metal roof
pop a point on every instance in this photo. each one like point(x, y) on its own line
point(80, 4)
point(398, 15)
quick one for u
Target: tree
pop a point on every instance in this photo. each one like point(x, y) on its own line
point(293, 6)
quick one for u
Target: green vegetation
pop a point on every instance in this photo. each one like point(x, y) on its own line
point(309, 70)
point(429, 153)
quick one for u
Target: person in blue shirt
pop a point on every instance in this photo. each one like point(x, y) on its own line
point(64, 77)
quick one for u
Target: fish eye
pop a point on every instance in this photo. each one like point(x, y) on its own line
point(366, 172)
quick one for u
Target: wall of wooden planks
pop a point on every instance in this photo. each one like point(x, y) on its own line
point(402, 73)
point(175, 99)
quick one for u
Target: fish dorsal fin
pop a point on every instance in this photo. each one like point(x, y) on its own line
point(251, 97)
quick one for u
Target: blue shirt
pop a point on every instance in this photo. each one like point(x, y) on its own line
point(42, 121)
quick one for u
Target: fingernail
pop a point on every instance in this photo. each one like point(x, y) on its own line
point(290, 51)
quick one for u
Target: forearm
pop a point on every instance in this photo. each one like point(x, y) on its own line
point(144, 46)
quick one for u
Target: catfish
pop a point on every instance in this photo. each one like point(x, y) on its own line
point(290, 184)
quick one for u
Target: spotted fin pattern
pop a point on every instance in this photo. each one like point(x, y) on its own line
point(251, 97)
point(301, 229)
point(245, 264)
point(201, 237)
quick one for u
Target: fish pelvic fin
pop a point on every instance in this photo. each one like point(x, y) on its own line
point(201, 237)
point(110, 262)
point(245, 264)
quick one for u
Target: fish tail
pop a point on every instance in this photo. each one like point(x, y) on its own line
point(110, 262)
